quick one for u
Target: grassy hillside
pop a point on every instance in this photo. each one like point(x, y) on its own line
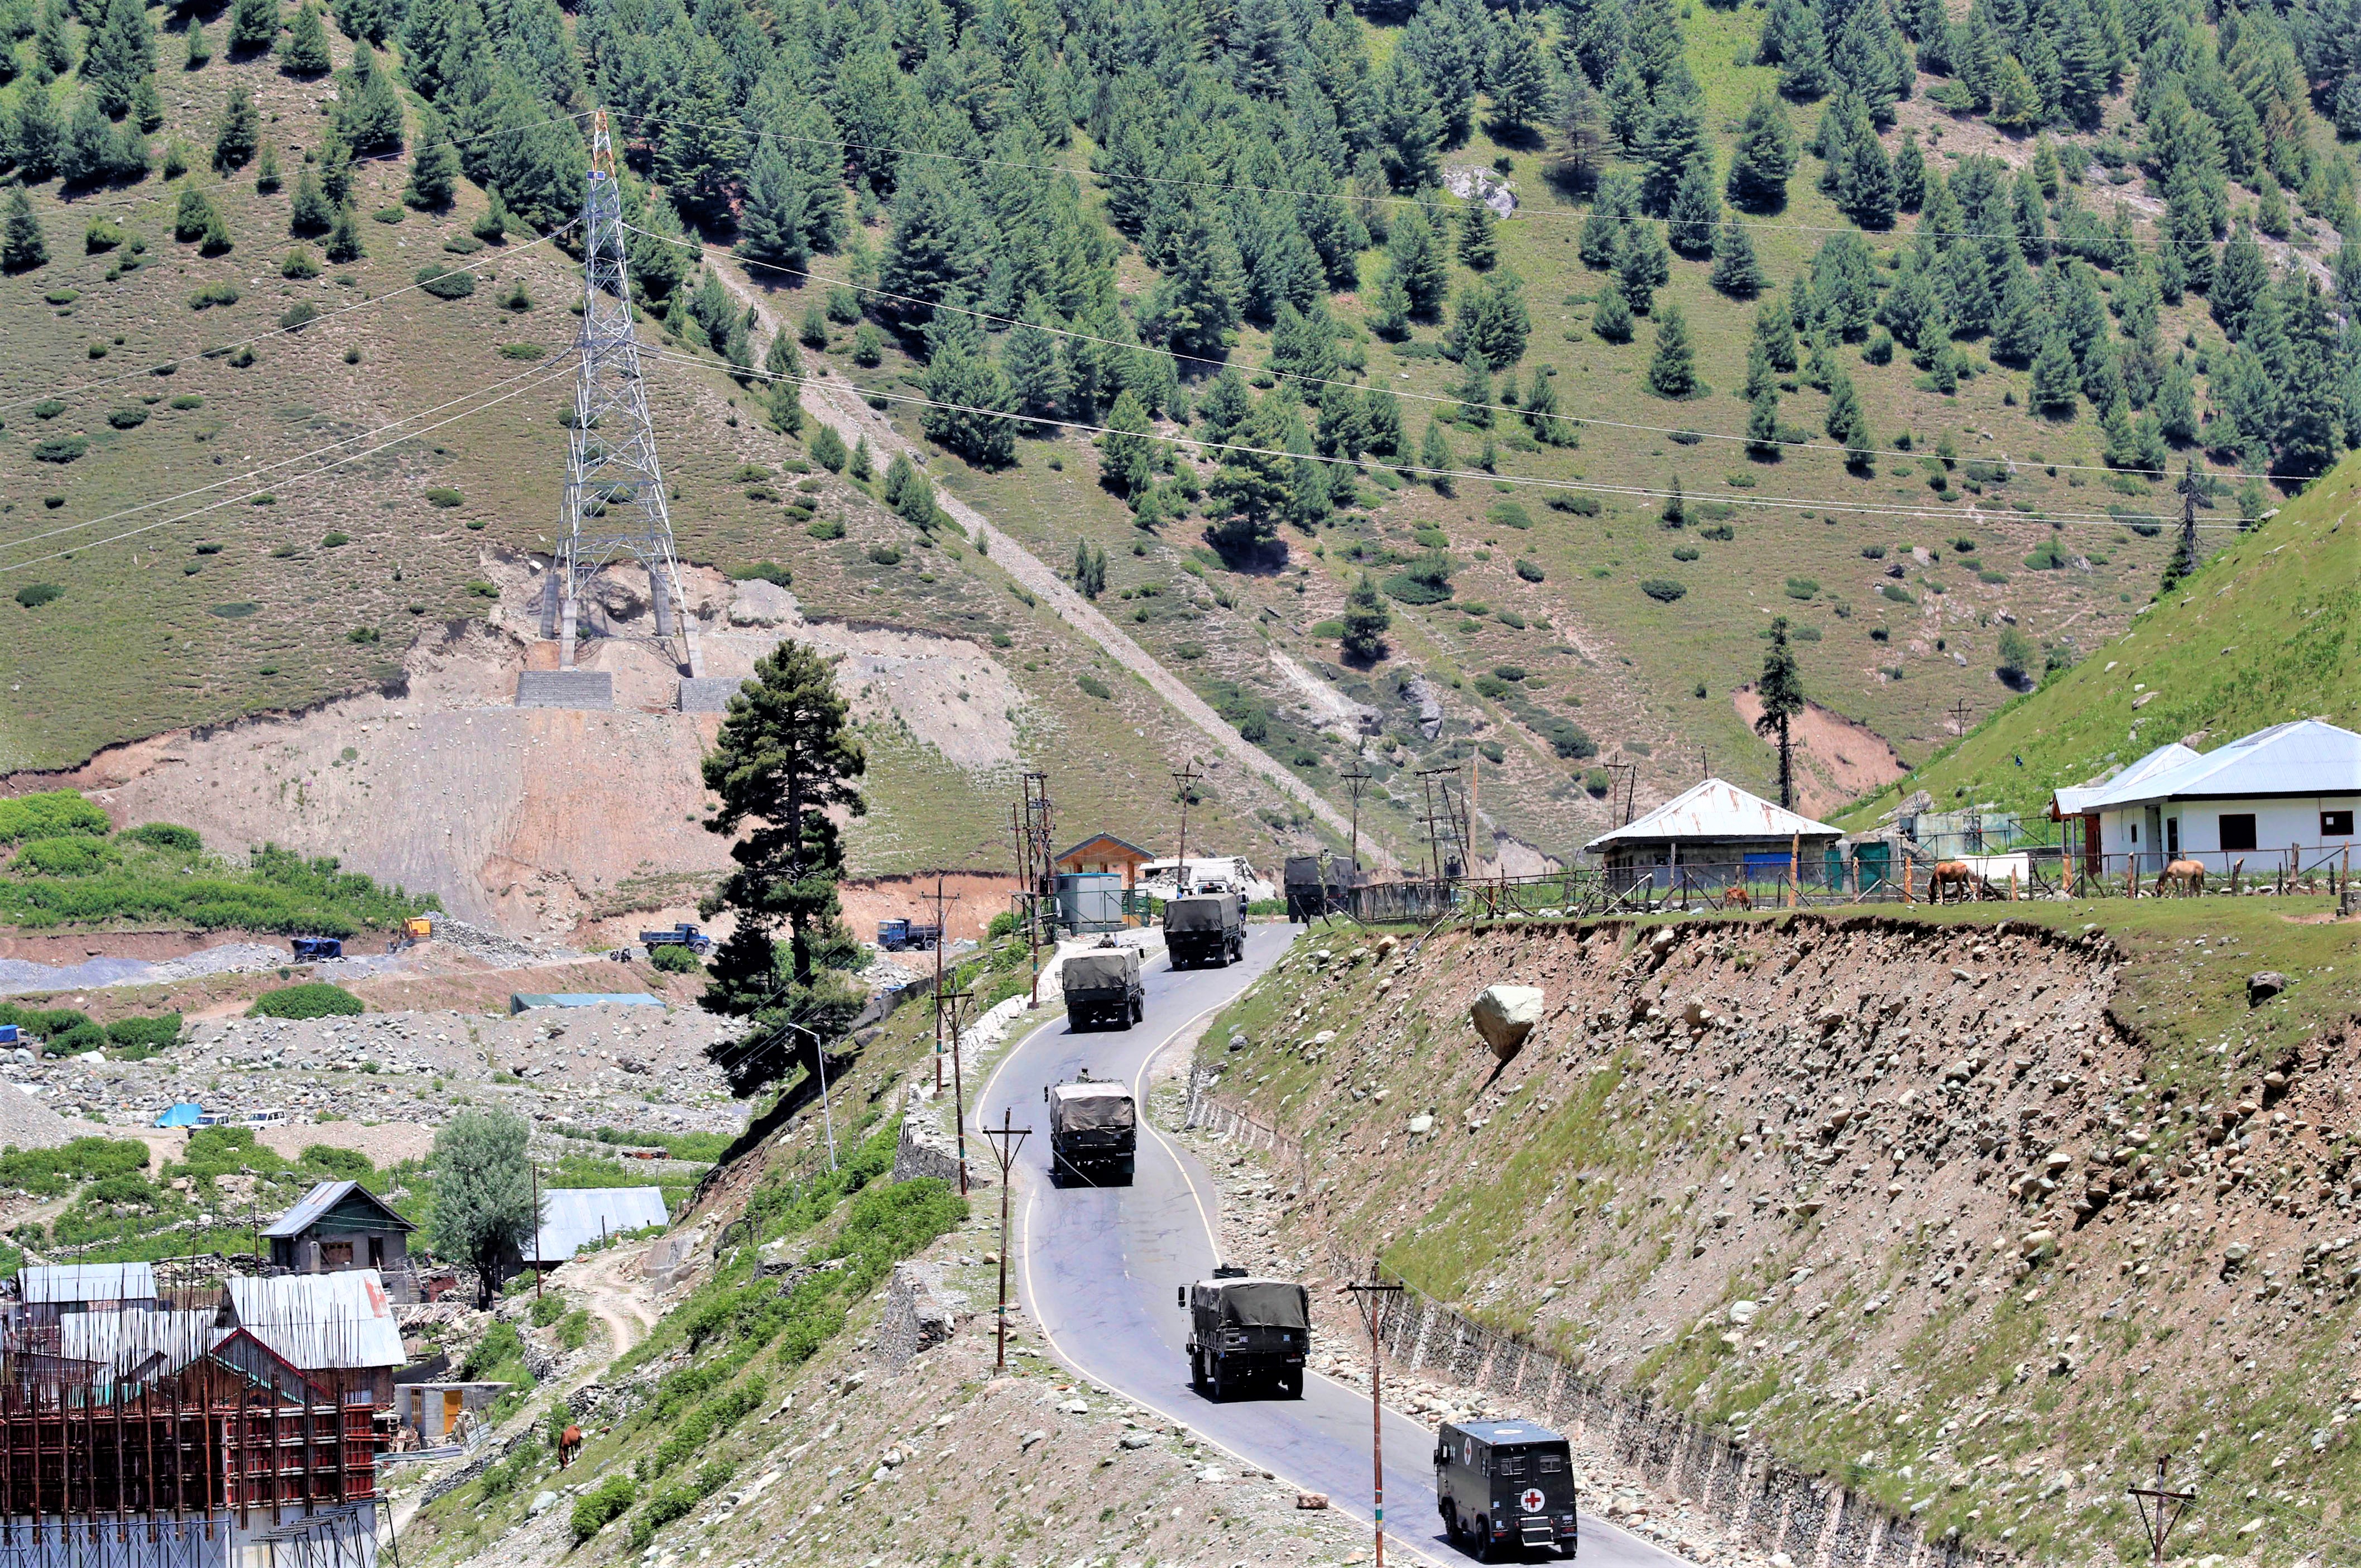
point(980, 171)
point(2264, 633)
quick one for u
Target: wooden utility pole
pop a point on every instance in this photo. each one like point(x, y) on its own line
point(1006, 1139)
point(1371, 1296)
point(1354, 783)
point(1184, 780)
point(1960, 716)
point(942, 902)
point(956, 1001)
point(2161, 1507)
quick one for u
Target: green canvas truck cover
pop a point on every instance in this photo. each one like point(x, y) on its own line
point(1211, 913)
point(1092, 1107)
point(1265, 1304)
point(1101, 970)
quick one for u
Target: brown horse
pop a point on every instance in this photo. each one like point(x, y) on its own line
point(1950, 875)
point(2186, 876)
point(568, 1446)
point(1737, 898)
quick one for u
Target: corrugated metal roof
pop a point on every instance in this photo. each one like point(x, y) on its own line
point(319, 1321)
point(324, 1196)
point(573, 1216)
point(137, 1344)
point(1716, 810)
point(2072, 800)
point(2308, 757)
point(61, 1282)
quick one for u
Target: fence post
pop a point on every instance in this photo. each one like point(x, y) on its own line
point(1907, 877)
point(2012, 884)
point(1795, 854)
point(2065, 861)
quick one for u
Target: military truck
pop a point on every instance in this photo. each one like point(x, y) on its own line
point(1104, 988)
point(1246, 1332)
point(1206, 929)
point(1093, 1132)
point(1504, 1487)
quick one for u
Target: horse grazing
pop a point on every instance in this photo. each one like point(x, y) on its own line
point(568, 1444)
point(1950, 875)
point(2186, 876)
point(1737, 898)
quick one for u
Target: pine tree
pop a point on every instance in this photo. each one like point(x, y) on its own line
point(35, 136)
point(2055, 378)
point(1519, 81)
point(1435, 456)
point(253, 27)
point(1846, 422)
point(1418, 263)
point(1366, 623)
point(240, 132)
point(53, 53)
point(1672, 370)
point(191, 215)
point(304, 51)
point(266, 171)
point(86, 157)
point(1762, 425)
point(197, 50)
point(1479, 240)
point(120, 55)
point(1610, 318)
point(1029, 359)
point(1774, 329)
point(1865, 180)
point(784, 399)
point(310, 212)
point(1780, 691)
point(344, 239)
point(1643, 265)
point(433, 167)
point(215, 240)
point(861, 466)
point(2239, 283)
point(1670, 139)
point(369, 110)
point(772, 218)
point(1128, 449)
point(1910, 174)
point(1736, 270)
point(1696, 208)
point(22, 247)
point(2175, 404)
point(827, 448)
point(2021, 324)
point(1390, 307)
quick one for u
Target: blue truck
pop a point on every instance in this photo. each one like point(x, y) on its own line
point(908, 935)
point(684, 935)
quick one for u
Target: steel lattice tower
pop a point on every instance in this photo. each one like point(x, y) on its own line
point(614, 489)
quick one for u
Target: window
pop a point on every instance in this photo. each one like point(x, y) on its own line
point(2172, 836)
point(2336, 825)
point(2237, 830)
point(1553, 1464)
point(2135, 832)
point(1511, 1464)
point(336, 1255)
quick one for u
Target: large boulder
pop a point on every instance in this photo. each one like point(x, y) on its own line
point(1505, 1015)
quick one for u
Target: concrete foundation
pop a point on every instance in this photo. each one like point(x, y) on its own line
point(592, 690)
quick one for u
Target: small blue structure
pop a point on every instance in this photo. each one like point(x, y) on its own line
point(524, 1001)
point(8, 1034)
point(185, 1114)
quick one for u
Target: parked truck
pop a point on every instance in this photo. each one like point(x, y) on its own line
point(1093, 1132)
point(1246, 1331)
point(1504, 1487)
point(311, 950)
point(1104, 988)
point(908, 935)
point(683, 935)
point(1206, 929)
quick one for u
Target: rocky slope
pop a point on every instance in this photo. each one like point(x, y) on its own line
point(1975, 1216)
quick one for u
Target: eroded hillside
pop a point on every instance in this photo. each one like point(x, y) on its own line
point(1975, 1216)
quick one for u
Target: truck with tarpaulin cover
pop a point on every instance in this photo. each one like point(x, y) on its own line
point(1246, 1331)
point(1103, 989)
point(1093, 1132)
point(1205, 928)
point(1504, 1487)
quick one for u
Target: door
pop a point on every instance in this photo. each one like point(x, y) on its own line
point(450, 1410)
point(2149, 860)
point(2172, 838)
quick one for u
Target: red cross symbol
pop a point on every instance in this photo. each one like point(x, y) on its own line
point(1530, 1500)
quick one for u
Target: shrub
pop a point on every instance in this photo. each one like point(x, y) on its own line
point(523, 351)
point(335, 539)
point(601, 1507)
point(299, 315)
point(33, 596)
point(1802, 587)
point(885, 555)
point(60, 449)
point(165, 836)
point(768, 571)
point(2046, 557)
point(1529, 569)
point(1897, 592)
point(674, 959)
point(186, 401)
point(48, 407)
point(827, 528)
point(65, 857)
point(445, 283)
point(1093, 686)
point(214, 295)
point(444, 495)
point(131, 416)
point(1509, 514)
point(1664, 590)
point(313, 999)
point(144, 1034)
point(52, 814)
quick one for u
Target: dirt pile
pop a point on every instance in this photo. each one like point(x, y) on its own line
point(1927, 1206)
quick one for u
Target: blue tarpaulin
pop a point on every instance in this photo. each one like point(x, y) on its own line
point(185, 1114)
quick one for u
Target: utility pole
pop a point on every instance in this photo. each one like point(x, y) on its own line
point(1040, 871)
point(1960, 716)
point(1356, 782)
point(1630, 771)
point(2161, 1507)
point(941, 901)
point(1184, 781)
point(1371, 1297)
point(1006, 1139)
point(959, 1093)
point(534, 1166)
point(2191, 488)
point(819, 1059)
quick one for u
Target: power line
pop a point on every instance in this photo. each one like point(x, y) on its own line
point(272, 467)
point(1641, 492)
point(1339, 193)
point(248, 495)
point(1577, 421)
point(220, 348)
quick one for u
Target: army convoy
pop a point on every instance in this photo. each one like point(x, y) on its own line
point(1093, 1132)
point(1205, 929)
point(1246, 1332)
point(1104, 988)
point(1504, 1487)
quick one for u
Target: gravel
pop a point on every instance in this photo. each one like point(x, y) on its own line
point(27, 1123)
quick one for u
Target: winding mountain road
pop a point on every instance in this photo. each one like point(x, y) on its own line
point(1097, 1268)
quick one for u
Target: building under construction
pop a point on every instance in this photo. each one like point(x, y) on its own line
point(231, 1424)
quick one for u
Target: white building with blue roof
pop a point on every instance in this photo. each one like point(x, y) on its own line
point(2281, 797)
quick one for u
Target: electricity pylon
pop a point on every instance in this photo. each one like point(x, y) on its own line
point(614, 489)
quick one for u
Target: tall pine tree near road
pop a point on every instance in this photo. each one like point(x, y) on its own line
point(785, 758)
point(1697, 209)
point(1780, 689)
point(771, 219)
point(1127, 450)
point(784, 396)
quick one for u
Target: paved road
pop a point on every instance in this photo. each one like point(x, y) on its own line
point(1098, 1268)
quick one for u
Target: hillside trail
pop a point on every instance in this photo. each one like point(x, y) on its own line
point(853, 418)
point(617, 1295)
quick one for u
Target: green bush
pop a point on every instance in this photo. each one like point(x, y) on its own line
point(1093, 686)
point(674, 959)
point(677, 1502)
point(1528, 570)
point(65, 857)
point(60, 449)
point(574, 1329)
point(131, 416)
point(313, 999)
point(885, 555)
point(601, 1507)
point(888, 1223)
point(706, 1423)
point(1664, 590)
point(547, 1309)
point(50, 815)
point(165, 836)
point(214, 295)
point(50, 1173)
point(445, 283)
point(344, 1165)
point(444, 495)
point(144, 1034)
